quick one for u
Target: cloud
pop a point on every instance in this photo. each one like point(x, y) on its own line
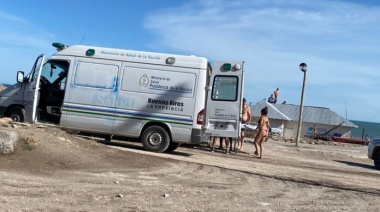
point(17, 31)
point(21, 41)
point(338, 40)
point(12, 18)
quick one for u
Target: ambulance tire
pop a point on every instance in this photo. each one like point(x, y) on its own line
point(155, 139)
point(172, 147)
point(17, 114)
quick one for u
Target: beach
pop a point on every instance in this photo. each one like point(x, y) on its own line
point(52, 170)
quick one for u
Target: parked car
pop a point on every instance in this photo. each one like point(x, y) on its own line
point(374, 152)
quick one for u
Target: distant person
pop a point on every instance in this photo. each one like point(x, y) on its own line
point(284, 102)
point(366, 138)
point(276, 92)
point(314, 133)
point(263, 128)
point(245, 118)
point(271, 99)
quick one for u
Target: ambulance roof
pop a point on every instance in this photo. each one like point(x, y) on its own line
point(131, 56)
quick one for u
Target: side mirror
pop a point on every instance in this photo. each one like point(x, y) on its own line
point(20, 76)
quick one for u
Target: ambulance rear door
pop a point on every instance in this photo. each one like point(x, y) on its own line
point(223, 107)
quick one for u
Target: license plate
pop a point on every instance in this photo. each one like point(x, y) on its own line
point(221, 126)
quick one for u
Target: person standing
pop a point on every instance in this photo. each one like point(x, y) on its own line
point(245, 118)
point(263, 128)
point(276, 92)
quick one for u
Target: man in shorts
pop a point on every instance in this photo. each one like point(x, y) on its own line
point(245, 118)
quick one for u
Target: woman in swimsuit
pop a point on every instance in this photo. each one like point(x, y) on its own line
point(263, 128)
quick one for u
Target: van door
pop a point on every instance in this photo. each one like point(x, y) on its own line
point(224, 100)
point(31, 92)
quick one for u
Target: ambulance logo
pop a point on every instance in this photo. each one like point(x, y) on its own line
point(144, 81)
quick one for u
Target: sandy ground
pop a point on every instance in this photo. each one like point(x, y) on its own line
point(55, 171)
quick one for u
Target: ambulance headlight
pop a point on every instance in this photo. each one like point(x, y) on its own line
point(170, 60)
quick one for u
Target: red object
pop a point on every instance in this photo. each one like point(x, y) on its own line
point(350, 140)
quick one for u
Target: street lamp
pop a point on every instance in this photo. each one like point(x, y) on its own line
point(303, 68)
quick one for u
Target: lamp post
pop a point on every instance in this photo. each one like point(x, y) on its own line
point(303, 68)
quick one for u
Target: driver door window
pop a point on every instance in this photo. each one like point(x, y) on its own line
point(53, 69)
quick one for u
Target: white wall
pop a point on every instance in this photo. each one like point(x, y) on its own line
point(291, 127)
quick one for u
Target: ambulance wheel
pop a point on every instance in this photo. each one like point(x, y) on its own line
point(17, 114)
point(155, 139)
point(172, 147)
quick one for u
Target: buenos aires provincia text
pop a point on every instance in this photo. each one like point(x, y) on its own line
point(170, 105)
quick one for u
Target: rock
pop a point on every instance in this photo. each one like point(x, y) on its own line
point(119, 195)
point(5, 121)
point(116, 182)
point(165, 195)
point(25, 124)
point(7, 140)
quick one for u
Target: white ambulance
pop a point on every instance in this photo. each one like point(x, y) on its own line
point(162, 99)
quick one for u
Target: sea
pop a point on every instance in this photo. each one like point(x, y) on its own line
point(366, 128)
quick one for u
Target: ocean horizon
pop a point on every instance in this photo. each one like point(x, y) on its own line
point(371, 129)
point(6, 85)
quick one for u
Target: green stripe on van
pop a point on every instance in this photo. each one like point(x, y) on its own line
point(124, 117)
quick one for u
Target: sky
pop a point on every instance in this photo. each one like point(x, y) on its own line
point(339, 40)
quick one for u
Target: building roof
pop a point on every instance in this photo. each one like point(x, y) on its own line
point(289, 112)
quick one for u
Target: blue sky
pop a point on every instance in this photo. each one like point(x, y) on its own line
point(339, 41)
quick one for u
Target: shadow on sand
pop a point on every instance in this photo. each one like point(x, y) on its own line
point(356, 164)
point(136, 145)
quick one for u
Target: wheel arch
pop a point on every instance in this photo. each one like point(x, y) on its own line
point(156, 123)
point(10, 107)
point(376, 150)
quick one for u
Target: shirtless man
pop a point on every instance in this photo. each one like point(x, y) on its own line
point(275, 92)
point(245, 118)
